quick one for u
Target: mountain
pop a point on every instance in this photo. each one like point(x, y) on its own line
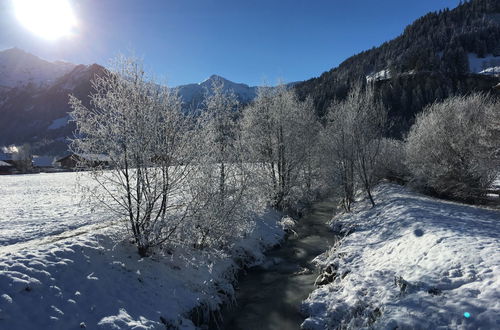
point(450, 52)
point(34, 99)
point(193, 94)
point(38, 113)
point(18, 68)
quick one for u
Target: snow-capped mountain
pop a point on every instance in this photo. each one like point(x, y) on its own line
point(19, 68)
point(34, 98)
point(193, 94)
point(38, 113)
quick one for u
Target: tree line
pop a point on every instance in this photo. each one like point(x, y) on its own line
point(199, 179)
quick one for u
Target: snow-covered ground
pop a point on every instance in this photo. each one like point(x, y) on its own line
point(90, 277)
point(488, 65)
point(38, 205)
point(412, 262)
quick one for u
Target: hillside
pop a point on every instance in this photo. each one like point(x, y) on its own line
point(18, 68)
point(38, 114)
point(441, 54)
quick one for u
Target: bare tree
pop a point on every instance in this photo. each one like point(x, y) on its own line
point(392, 161)
point(354, 133)
point(453, 147)
point(338, 147)
point(279, 131)
point(23, 158)
point(220, 184)
point(369, 128)
point(139, 126)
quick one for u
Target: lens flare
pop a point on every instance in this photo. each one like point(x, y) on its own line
point(49, 19)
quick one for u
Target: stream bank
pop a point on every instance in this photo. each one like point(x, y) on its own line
point(269, 296)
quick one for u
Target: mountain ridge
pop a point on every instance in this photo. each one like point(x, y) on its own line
point(34, 101)
point(438, 55)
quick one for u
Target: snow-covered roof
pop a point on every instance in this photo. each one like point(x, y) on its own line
point(2, 163)
point(497, 86)
point(43, 161)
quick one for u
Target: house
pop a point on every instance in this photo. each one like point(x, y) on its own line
point(73, 161)
point(6, 168)
point(43, 163)
point(18, 162)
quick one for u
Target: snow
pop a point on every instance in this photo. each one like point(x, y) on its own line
point(39, 205)
point(43, 161)
point(90, 276)
point(195, 92)
point(380, 75)
point(488, 65)
point(491, 71)
point(411, 262)
point(18, 68)
point(59, 122)
point(2, 163)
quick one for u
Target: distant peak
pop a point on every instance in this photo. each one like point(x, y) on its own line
point(14, 50)
point(213, 77)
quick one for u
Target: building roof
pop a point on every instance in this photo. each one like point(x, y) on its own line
point(2, 163)
point(5, 156)
point(497, 86)
point(43, 161)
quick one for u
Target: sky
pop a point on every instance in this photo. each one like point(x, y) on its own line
point(253, 41)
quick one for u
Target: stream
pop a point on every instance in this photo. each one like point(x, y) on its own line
point(269, 296)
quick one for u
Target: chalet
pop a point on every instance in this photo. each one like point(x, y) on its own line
point(72, 161)
point(18, 165)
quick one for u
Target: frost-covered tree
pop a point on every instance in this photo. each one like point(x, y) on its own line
point(369, 128)
point(220, 184)
point(453, 147)
point(392, 161)
point(139, 127)
point(338, 152)
point(280, 132)
point(23, 158)
point(353, 137)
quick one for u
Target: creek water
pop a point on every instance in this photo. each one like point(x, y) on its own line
point(269, 296)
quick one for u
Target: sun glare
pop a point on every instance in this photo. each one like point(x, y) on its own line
point(49, 19)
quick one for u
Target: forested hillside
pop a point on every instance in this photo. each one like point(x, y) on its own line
point(441, 54)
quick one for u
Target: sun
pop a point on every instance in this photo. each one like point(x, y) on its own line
point(49, 19)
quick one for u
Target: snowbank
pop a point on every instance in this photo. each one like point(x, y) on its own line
point(65, 267)
point(412, 262)
point(96, 280)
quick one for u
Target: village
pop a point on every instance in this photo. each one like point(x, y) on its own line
point(13, 160)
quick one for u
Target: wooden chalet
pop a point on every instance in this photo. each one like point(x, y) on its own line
point(72, 161)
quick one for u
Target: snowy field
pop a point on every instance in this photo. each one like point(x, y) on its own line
point(59, 277)
point(37, 205)
point(412, 262)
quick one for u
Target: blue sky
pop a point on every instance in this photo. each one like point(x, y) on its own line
point(250, 41)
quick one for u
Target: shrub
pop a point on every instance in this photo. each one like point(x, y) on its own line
point(452, 149)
